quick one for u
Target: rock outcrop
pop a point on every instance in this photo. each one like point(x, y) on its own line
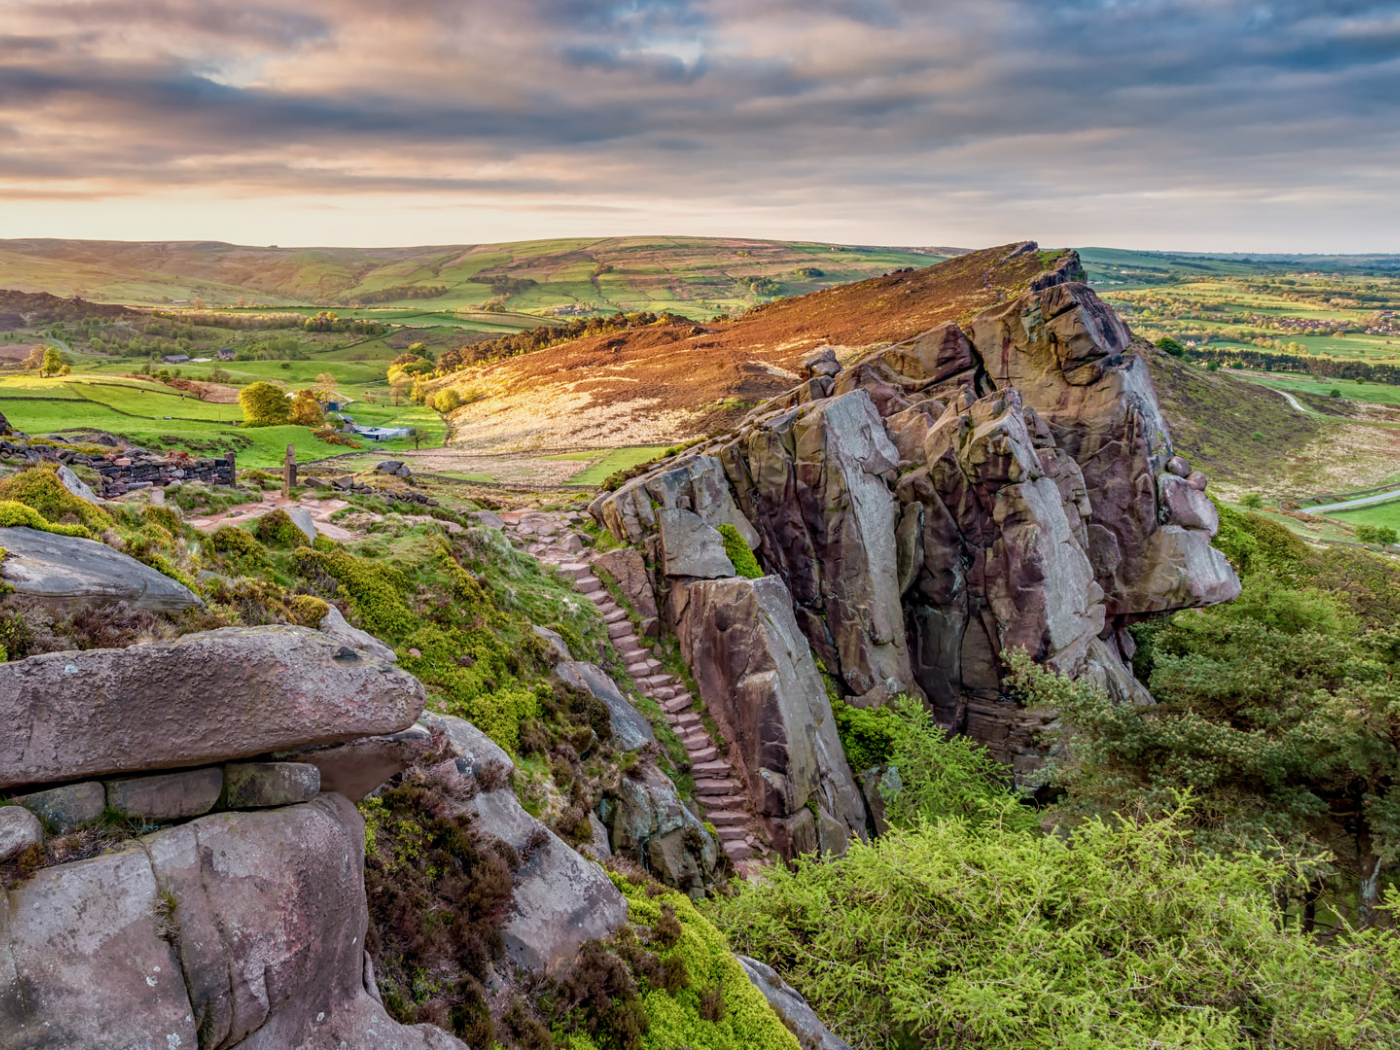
point(201, 699)
point(758, 679)
point(71, 571)
point(237, 929)
point(1005, 481)
point(788, 1004)
point(561, 899)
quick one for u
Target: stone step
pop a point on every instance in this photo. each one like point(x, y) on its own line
point(728, 818)
point(615, 614)
point(715, 767)
point(716, 786)
point(684, 721)
point(738, 850)
point(664, 692)
point(703, 754)
point(732, 834)
point(619, 628)
point(577, 569)
point(696, 739)
point(656, 681)
point(591, 585)
point(629, 650)
point(638, 670)
point(675, 707)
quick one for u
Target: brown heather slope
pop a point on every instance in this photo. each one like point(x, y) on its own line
point(670, 382)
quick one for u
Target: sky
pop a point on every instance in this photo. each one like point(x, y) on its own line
point(1209, 125)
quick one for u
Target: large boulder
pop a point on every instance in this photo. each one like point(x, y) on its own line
point(69, 570)
point(630, 730)
point(627, 566)
point(202, 699)
point(758, 680)
point(561, 899)
point(237, 929)
point(787, 1003)
point(648, 823)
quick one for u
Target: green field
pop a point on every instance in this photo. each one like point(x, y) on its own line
point(1374, 393)
point(152, 415)
point(618, 459)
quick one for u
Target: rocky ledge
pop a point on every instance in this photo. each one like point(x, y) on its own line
point(1004, 482)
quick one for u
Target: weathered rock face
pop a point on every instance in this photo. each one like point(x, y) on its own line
point(630, 730)
point(561, 900)
point(70, 570)
point(1008, 482)
point(204, 698)
point(238, 929)
point(647, 822)
point(758, 679)
point(788, 1003)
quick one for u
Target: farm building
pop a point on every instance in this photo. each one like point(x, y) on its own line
point(226, 354)
point(381, 433)
point(176, 359)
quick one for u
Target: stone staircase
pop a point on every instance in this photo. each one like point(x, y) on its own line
point(553, 539)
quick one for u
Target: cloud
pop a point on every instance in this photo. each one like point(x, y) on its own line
point(935, 112)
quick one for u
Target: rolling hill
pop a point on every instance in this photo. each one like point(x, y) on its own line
point(698, 276)
point(673, 381)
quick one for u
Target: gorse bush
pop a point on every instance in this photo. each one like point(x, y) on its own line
point(1116, 936)
point(40, 489)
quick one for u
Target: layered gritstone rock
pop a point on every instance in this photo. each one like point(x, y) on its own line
point(1008, 482)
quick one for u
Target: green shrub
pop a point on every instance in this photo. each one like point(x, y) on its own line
point(41, 489)
point(713, 976)
point(867, 734)
point(276, 529)
point(1252, 500)
point(371, 589)
point(740, 553)
point(1379, 534)
point(1114, 936)
point(14, 514)
point(235, 543)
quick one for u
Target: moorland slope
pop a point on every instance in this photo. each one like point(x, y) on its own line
point(674, 381)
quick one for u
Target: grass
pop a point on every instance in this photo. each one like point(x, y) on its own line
point(1376, 514)
point(1372, 393)
point(609, 463)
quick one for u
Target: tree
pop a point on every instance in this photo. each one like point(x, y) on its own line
point(306, 411)
point(1171, 346)
point(416, 434)
point(419, 393)
point(263, 404)
point(52, 361)
point(399, 389)
point(35, 359)
point(1380, 534)
point(445, 401)
point(325, 386)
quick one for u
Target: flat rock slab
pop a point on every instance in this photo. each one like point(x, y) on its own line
point(166, 796)
point(203, 699)
point(19, 830)
point(71, 570)
point(357, 768)
point(64, 808)
point(261, 785)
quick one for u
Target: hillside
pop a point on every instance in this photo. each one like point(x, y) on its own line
point(669, 382)
point(701, 276)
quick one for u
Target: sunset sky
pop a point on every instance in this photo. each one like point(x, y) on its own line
point(1213, 125)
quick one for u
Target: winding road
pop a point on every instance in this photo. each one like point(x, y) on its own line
point(1363, 501)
